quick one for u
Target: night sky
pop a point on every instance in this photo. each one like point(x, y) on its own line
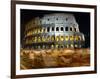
point(82, 18)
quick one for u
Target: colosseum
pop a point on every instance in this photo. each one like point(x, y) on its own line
point(56, 30)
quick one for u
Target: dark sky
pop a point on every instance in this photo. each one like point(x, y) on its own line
point(83, 19)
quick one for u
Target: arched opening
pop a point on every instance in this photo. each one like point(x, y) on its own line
point(43, 39)
point(52, 28)
point(52, 46)
point(62, 46)
point(57, 38)
point(66, 28)
point(71, 38)
point(77, 38)
point(71, 29)
point(75, 29)
point(43, 47)
point(48, 38)
point(39, 39)
point(76, 45)
point(66, 38)
point(71, 45)
point(61, 38)
point(56, 45)
point(57, 28)
point(62, 29)
point(52, 38)
point(66, 19)
point(39, 47)
point(35, 39)
point(48, 29)
point(44, 30)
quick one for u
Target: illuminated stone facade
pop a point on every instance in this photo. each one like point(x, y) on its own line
point(56, 30)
